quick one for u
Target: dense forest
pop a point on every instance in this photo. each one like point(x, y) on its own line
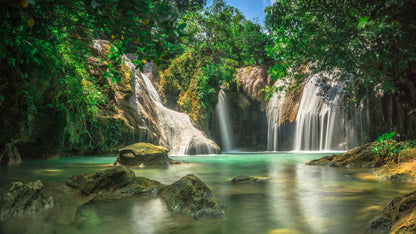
point(51, 102)
point(303, 123)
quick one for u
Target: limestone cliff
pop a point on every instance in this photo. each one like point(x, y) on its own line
point(134, 126)
point(252, 81)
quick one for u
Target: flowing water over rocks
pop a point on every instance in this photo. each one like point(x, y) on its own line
point(221, 111)
point(177, 132)
point(322, 122)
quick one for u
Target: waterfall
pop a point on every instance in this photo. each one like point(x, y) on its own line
point(177, 130)
point(280, 130)
point(274, 132)
point(221, 111)
point(322, 121)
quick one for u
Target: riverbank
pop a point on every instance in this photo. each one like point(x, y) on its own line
point(399, 215)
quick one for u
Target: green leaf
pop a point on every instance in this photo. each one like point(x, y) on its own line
point(363, 21)
point(181, 26)
point(390, 135)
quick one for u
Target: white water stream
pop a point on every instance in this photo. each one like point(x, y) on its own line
point(322, 121)
point(178, 133)
point(177, 130)
point(221, 111)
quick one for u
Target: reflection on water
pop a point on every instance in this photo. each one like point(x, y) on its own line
point(296, 198)
point(151, 221)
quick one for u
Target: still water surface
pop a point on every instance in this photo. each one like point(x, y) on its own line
point(296, 198)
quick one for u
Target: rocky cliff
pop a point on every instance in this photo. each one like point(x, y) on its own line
point(247, 109)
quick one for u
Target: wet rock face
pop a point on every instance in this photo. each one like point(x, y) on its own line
point(143, 154)
point(102, 181)
point(252, 81)
point(24, 199)
point(399, 216)
point(190, 196)
point(401, 172)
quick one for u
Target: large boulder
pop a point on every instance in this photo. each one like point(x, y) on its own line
point(362, 156)
point(399, 216)
point(143, 154)
point(190, 196)
point(24, 199)
point(102, 181)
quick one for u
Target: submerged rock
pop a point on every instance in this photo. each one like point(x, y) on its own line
point(112, 183)
point(143, 154)
point(102, 181)
point(140, 185)
point(247, 179)
point(399, 216)
point(190, 196)
point(362, 156)
point(24, 199)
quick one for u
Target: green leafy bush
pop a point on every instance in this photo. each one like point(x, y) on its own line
point(410, 144)
point(385, 146)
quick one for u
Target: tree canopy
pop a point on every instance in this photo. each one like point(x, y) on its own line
point(371, 42)
point(44, 48)
point(217, 40)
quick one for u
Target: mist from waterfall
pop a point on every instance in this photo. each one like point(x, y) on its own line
point(221, 111)
point(323, 122)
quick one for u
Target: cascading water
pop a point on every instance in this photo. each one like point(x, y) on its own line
point(221, 111)
point(274, 131)
point(280, 130)
point(177, 131)
point(322, 123)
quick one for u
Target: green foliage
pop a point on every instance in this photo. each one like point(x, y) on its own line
point(386, 146)
point(46, 90)
point(371, 40)
point(209, 83)
point(270, 90)
point(218, 40)
point(410, 144)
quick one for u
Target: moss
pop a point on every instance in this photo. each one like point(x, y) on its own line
point(145, 149)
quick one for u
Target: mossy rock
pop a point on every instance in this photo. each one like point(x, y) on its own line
point(362, 156)
point(190, 196)
point(399, 216)
point(143, 154)
point(102, 181)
